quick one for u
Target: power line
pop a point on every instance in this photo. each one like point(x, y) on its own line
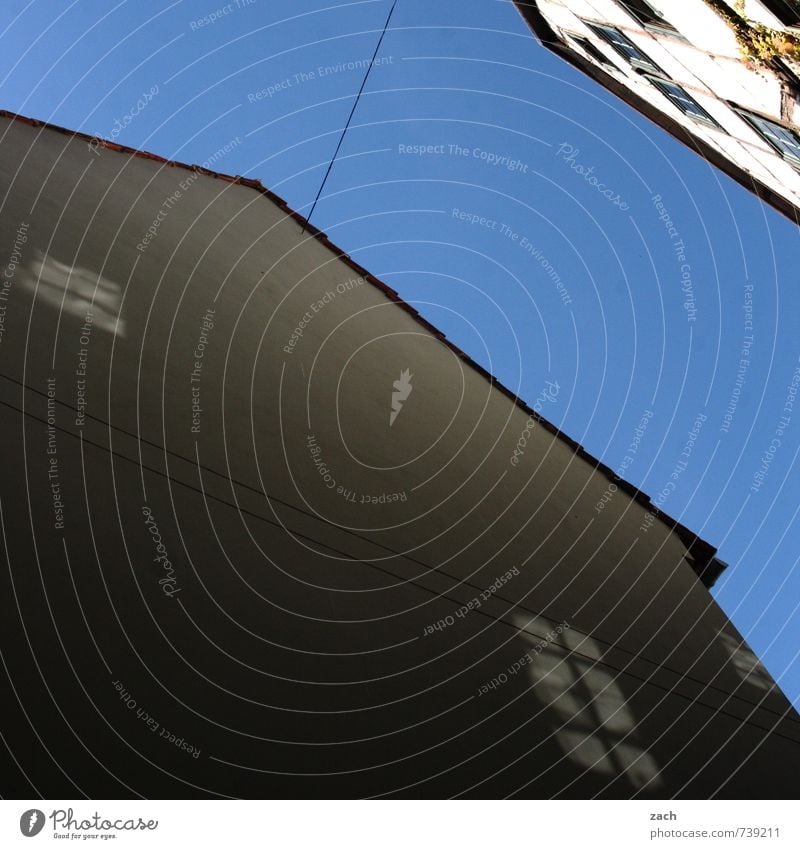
point(352, 112)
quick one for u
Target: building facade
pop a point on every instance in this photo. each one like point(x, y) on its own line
point(268, 533)
point(720, 77)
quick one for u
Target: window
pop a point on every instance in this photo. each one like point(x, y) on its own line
point(785, 141)
point(786, 11)
point(682, 99)
point(646, 14)
point(789, 74)
point(590, 49)
point(625, 47)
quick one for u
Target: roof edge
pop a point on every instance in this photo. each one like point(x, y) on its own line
point(700, 553)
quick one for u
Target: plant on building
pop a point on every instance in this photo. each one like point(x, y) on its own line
point(758, 43)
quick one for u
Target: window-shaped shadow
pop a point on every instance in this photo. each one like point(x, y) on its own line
point(591, 718)
point(76, 291)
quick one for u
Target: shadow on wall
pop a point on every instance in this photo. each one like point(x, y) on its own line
point(76, 291)
point(401, 721)
point(748, 667)
point(590, 717)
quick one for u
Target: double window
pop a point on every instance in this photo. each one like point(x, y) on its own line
point(625, 47)
point(786, 11)
point(655, 75)
point(591, 49)
point(785, 141)
point(647, 15)
point(682, 99)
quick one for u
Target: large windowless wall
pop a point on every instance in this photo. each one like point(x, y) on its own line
point(268, 533)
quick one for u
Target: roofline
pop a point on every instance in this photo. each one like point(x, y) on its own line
point(704, 562)
point(548, 38)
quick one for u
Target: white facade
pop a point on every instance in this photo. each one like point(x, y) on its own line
point(702, 56)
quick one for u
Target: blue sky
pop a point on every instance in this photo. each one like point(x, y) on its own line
point(478, 227)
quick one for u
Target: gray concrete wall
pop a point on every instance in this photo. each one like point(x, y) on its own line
point(290, 637)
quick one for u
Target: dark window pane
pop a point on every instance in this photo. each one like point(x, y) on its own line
point(786, 142)
point(787, 11)
point(682, 99)
point(624, 46)
point(645, 13)
point(590, 49)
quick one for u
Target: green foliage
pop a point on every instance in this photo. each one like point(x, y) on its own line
point(758, 44)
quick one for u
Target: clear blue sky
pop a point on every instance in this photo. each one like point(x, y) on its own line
point(470, 75)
